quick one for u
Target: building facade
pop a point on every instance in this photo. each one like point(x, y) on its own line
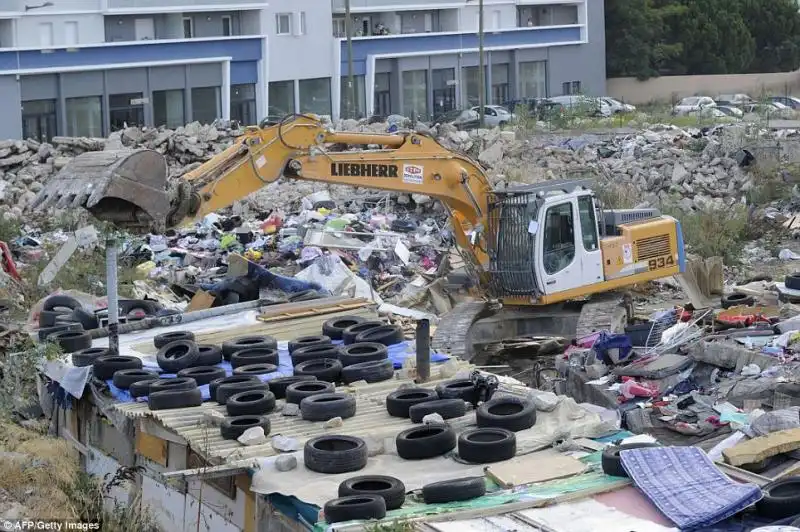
point(90, 67)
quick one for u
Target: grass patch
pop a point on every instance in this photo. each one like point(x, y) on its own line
point(394, 526)
point(714, 232)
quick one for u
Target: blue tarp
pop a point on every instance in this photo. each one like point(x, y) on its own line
point(397, 354)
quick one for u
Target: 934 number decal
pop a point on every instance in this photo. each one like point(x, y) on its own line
point(660, 262)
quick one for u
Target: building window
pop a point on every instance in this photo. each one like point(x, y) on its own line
point(206, 104)
point(243, 104)
point(352, 109)
point(144, 29)
point(71, 33)
point(315, 96)
point(499, 84)
point(415, 94)
point(471, 92)
point(188, 28)
point(46, 34)
point(383, 94)
point(85, 116)
point(281, 98)
point(559, 238)
point(125, 110)
point(302, 23)
point(283, 23)
point(339, 28)
point(169, 108)
point(227, 26)
point(533, 79)
point(571, 87)
point(39, 120)
point(444, 91)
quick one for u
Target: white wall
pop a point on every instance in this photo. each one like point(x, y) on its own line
point(300, 56)
point(91, 29)
point(469, 17)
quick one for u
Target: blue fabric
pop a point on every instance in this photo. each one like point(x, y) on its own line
point(398, 353)
point(606, 342)
point(686, 485)
point(265, 279)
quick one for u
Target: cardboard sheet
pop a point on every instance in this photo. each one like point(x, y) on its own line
point(535, 467)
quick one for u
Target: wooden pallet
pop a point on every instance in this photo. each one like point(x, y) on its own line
point(309, 308)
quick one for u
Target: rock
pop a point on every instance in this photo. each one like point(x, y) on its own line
point(253, 436)
point(421, 199)
point(492, 155)
point(285, 444)
point(291, 409)
point(433, 419)
point(333, 423)
point(679, 174)
point(286, 463)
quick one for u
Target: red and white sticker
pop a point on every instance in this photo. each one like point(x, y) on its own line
point(412, 174)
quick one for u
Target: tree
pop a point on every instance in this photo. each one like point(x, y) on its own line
point(775, 26)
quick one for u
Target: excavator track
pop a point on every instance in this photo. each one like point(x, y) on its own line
point(603, 312)
point(452, 332)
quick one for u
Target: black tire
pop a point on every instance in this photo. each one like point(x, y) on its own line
point(177, 355)
point(170, 385)
point(251, 403)
point(362, 352)
point(234, 427)
point(47, 318)
point(360, 507)
point(233, 379)
point(427, 441)
point(247, 342)
point(332, 455)
point(86, 357)
point(400, 401)
point(447, 408)
point(325, 406)
point(298, 391)
point(210, 355)
point(125, 377)
point(792, 281)
point(375, 371)
point(386, 335)
point(780, 499)
point(278, 386)
point(390, 489)
point(61, 302)
point(458, 389)
point(487, 445)
point(88, 320)
point(245, 357)
point(306, 341)
point(72, 341)
point(736, 299)
point(314, 352)
point(459, 489)
point(334, 327)
point(255, 369)
point(511, 413)
point(326, 369)
point(202, 374)
point(349, 334)
point(610, 460)
point(104, 367)
point(141, 388)
point(169, 399)
point(167, 338)
point(226, 391)
point(45, 332)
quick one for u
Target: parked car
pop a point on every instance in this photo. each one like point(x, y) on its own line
point(789, 101)
point(770, 110)
point(734, 100)
point(730, 110)
point(495, 115)
point(693, 105)
point(617, 106)
point(460, 118)
point(583, 105)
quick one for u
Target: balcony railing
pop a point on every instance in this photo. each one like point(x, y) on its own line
point(193, 5)
point(398, 5)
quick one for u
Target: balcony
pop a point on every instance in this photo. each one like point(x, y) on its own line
point(547, 15)
point(385, 23)
point(245, 52)
point(169, 6)
point(361, 6)
point(455, 42)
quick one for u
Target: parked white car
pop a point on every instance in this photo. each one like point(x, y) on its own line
point(693, 105)
point(584, 105)
point(617, 106)
point(495, 115)
point(738, 99)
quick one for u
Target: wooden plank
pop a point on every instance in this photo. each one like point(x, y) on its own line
point(250, 517)
point(317, 305)
point(757, 449)
point(202, 300)
point(309, 312)
point(151, 447)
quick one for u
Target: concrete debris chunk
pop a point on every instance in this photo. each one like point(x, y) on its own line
point(286, 462)
point(253, 436)
point(285, 444)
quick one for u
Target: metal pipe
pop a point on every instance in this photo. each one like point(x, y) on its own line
point(423, 350)
point(481, 68)
point(348, 25)
point(113, 298)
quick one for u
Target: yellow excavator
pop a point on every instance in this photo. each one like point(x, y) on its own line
point(535, 245)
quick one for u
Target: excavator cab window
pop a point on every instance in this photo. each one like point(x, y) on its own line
point(559, 238)
point(588, 223)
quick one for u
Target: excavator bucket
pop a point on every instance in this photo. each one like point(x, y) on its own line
point(125, 187)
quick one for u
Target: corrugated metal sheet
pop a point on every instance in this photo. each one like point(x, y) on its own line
point(500, 523)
